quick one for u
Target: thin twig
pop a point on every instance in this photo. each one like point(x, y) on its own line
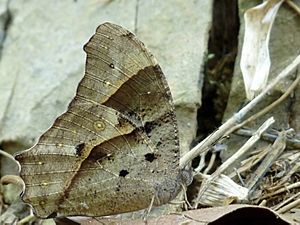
point(289, 187)
point(286, 177)
point(263, 203)
point(268, 108)
point(234, 157)
point(276, 149)
point(239, 176)
point(27, 219)
point(277, 207)
point(245, 147)
point(210, 140)
point(293, 6)
point(186, 201)
point(289, 206)
point(201, 163)
point(247, 164)
point(291, 142)
point(211, 163)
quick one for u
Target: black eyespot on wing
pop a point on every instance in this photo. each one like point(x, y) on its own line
point(149, 126)
point(150, 157)
point(123, 173)
point(79, 149)
point(158, 143)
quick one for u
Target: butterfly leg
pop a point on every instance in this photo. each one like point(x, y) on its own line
point(147, 211)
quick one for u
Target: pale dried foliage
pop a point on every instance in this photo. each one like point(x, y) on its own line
point(255, 58)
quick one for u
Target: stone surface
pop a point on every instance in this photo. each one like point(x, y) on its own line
point(43, 61)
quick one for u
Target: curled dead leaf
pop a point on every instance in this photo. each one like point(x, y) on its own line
point(255, 59)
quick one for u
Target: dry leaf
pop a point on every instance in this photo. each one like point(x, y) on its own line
point(223, 191)
point(232, 214)
point(255, 59)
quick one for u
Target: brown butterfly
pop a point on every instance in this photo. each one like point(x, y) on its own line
point(116, 148)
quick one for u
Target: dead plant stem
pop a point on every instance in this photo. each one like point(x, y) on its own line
point(280, 205)
point(204, 145)
point(289, 206)
point(289, 187)
point(268, 108)
point(234, 157)
point(293, 6)
point(276, 149)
